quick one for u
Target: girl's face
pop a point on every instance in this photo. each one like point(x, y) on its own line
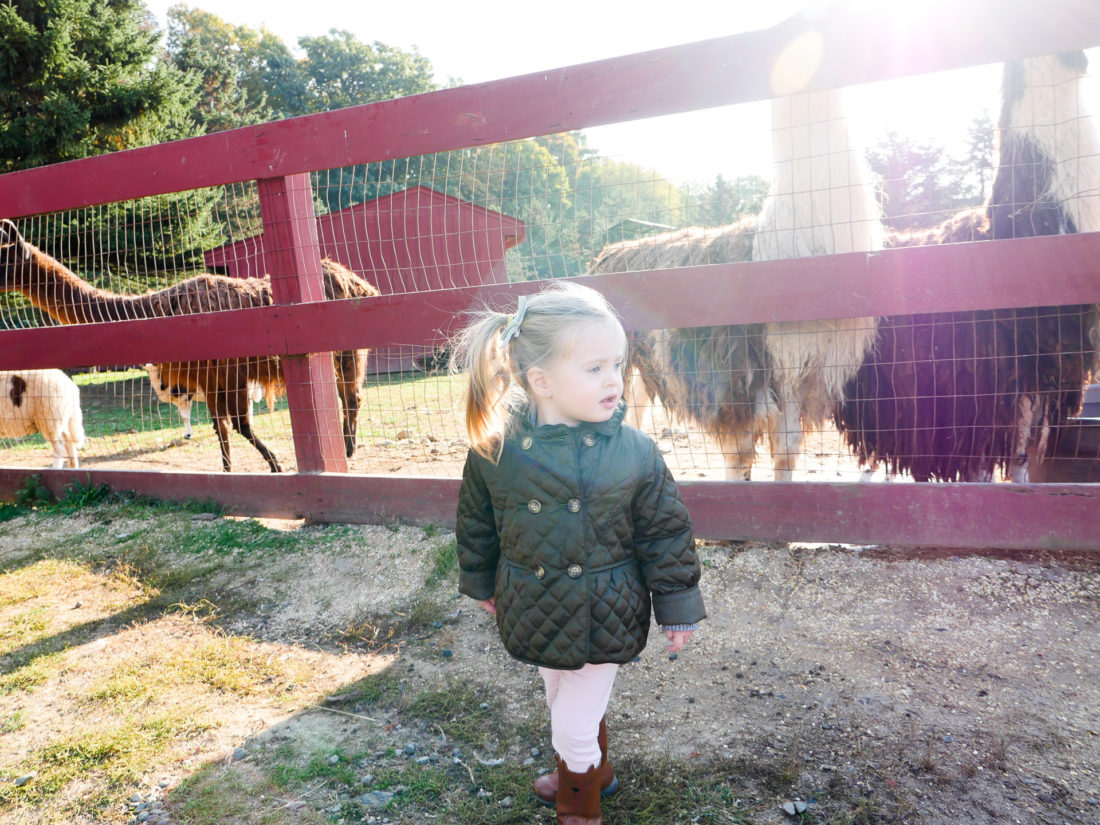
point(586, 383)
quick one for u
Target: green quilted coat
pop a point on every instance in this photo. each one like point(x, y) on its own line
point(574, 532)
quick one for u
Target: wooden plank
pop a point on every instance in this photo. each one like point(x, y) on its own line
point(1055, 516)
point(293, 259)
point(1010, 516)
point(859, 46)
point(321, 497)
point(985, 275)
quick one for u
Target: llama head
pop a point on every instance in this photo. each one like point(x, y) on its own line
point(1048, 145)
point(14, 254)
point(1040, 76)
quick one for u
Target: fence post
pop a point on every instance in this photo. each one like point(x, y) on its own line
point(292, 257)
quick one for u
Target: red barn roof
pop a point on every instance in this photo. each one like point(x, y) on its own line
point(413, 240)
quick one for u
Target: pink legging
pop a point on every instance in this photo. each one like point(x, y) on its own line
point(578, 700)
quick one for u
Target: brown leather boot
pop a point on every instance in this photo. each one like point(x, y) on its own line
point(546, 786)
point(578, 796)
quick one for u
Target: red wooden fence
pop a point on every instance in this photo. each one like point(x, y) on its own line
point(856, 47)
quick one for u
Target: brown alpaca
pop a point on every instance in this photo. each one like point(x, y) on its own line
point(716, 376)
point(52, 287)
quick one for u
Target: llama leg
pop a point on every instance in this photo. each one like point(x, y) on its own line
point(184, 406)
point(240, 416)
point(639, 403)
point(71, 458)
point(740, 458)
point(69, 445)
point(221, 427)
point(58, 452)
point(786, 436)
point(347, 385)
point(979, 468)
point(1025, 417)
point(349, 400)
point(74, 435)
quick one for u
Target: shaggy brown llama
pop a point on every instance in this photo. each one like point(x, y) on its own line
point(957, 395)
point(738, 382)
point(55, 289)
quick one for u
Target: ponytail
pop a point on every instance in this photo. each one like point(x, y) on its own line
point(478, 352)
point(497, 350)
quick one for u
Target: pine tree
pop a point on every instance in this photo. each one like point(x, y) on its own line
point(219, 57)
point(79, 78)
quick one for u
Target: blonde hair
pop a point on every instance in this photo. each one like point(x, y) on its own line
point(497, 369)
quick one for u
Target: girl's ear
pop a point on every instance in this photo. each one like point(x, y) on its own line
point(539, 382)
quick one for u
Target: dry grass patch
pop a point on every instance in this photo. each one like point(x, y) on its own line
point(158, 698)
point(56, 594)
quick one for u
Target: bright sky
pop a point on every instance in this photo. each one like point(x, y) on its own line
point(493, 39)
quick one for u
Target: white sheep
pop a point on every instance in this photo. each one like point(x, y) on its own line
point(43, 401)
point(183, 399)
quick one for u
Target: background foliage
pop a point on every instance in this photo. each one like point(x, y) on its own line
point(81, 77)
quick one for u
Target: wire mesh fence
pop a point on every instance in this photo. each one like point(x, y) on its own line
point(951, 396)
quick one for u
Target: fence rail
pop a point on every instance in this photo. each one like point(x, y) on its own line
point(854, 48)
point(1014, 517)
point(857, 47)
point(999, 275)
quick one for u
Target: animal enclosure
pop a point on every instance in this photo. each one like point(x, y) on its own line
point(796, 329)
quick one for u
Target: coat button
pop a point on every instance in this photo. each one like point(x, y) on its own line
point(540, 571)
point(574, 571)
point(526, 442)
point(574, 505)
point(534, 505)
point(589, 440)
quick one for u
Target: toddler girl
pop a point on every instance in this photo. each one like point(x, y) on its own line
point(569, 524)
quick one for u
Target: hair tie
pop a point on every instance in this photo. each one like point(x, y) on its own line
point(511, 329)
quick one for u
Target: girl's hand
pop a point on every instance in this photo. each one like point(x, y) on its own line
point(677, 639)
point(491, 605)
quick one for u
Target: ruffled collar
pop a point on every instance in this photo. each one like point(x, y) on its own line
point(527, 424)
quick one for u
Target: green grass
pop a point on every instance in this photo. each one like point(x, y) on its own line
point(125, 422)
point(28, 672)
point(23, 629)
point(444, 565)
point(122, 402)
point(464, 711)
point(12, 722)
point(655, 790)
point(138, 716)
point(114, 755)
point(411, 401)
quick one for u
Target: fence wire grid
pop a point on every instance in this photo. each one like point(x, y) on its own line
point(991, 395)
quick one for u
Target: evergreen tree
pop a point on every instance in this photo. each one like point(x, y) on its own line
point(971, 175)
point(723, 202)
point(922, 185)
point(912, 179)
point(78, 78)
point(219, 58)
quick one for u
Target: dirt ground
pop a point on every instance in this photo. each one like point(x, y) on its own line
point(943, 688)
point(423, 437)
point(930, 686)
point(883, 684)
